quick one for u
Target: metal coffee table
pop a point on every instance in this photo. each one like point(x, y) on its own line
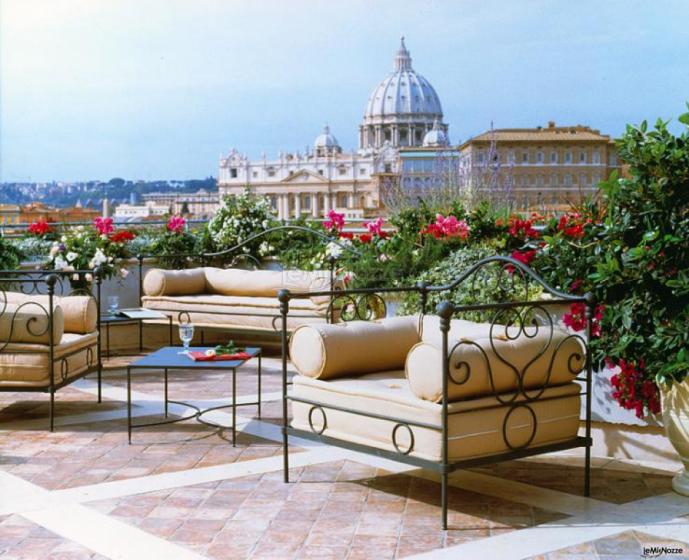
point(168, 358)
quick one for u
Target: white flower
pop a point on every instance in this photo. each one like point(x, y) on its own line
point(71, 256)
point(75, 277)
point(98, 259)
point(334, 250)
point(210, 353)
point(123, 273)
point(60, 263)
point(54, 250)
point(63, 239)
point(383, 258)
point(89, 277)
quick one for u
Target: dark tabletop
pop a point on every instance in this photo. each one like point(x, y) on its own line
point(169, 357)
point(108, 318)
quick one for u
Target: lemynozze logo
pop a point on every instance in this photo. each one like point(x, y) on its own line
point(658, 551)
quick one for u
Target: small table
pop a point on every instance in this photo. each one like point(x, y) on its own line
point(170, 357)
point(118, 319)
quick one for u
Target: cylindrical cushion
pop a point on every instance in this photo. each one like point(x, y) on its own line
point(264, 283)
point(474, 361)
point(327, 351)
point(80, 312)
point(159, 282)
point(28, 322)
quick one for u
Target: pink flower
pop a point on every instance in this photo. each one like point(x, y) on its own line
point(176, 224)
point(335, 221)
point(375, 227)
point(448, 226)
point(103, 225)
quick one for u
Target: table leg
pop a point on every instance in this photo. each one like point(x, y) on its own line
point(129, 405)
point(141, 337)
point(107, 339)
point(170, 320)
point(259, 386)
point(165, 392)
point(234, 406)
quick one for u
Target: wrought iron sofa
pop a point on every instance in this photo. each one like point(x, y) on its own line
point(48, 340)
point(230, 291)
point(438, 391)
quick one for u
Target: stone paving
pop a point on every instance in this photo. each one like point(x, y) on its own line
point(182, 490)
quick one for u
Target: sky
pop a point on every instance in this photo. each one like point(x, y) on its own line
point(158, 89)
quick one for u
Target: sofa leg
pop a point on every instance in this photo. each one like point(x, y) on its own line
point(587, 472)
point(285, 455)
point(443, 499)
point(100, 382)
point(52, 411)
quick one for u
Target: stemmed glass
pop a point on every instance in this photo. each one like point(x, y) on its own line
point(186, 334)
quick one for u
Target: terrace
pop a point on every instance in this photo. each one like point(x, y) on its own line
point(603, 485)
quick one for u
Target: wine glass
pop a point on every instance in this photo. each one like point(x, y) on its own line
point(186, 333)
point(113, 304)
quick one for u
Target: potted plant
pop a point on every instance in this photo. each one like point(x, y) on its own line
point(85, 248)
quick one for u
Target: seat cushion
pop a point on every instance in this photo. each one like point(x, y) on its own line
point(29, 321)
point(481, 363)
point(80, 312)
point(475, 427)
point(253, 313)
point(327, 351)
point(27, 365)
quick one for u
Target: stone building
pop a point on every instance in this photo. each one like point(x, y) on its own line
point(402, 110)
point(547, 167)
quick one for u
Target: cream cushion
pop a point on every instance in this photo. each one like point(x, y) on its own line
point(80, 312)
point(236, 312)
point(159, 282)
point(479, 367)
point(29, 322)
point(474, 427)
point(27, 365)
point(266, 283)
point(327, 351)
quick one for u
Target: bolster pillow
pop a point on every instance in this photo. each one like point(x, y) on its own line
point(159, 282)
point(267, 283)
point(327, 351)
point(473, 360)
point(27, 322)
point(80, 312)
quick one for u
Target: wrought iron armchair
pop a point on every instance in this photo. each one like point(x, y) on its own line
point(517, 316)
point(30, 329)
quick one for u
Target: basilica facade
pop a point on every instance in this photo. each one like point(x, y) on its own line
point(403, 112)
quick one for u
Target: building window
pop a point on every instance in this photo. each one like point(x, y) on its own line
point(306, 202)
point(525, 157)
point(568, 180)
point(320, 172)
point(596, 156)
point(553, 180)
point(271, 172)
point(613, 159)
point(362, 171)
point(388, 168)
point(568, 157)
point(233, 172)
point(553, 157)
point(582, 156)
point(480, 157)
point(582, 179)
point(596, 178)
point(342, 170)
point(254, 173)
point(511, 156)
point(539, 157)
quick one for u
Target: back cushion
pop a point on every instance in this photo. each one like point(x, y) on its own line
point(28, 323)
point(80, 312)
point(159, 282)
point(327, 351)
point(264, 283)
point(481, 365)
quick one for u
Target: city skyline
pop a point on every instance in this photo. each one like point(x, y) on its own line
point(93, 90)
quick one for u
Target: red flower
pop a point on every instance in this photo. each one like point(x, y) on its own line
point(39, 228)
point(632, 390)
point(571, 225)
point(121, 236)
point(521, 228)
point(576, 318)
point(365, 237)
point(448, 226)
point(575, 285)
point(524, 256)
point(346, 235)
